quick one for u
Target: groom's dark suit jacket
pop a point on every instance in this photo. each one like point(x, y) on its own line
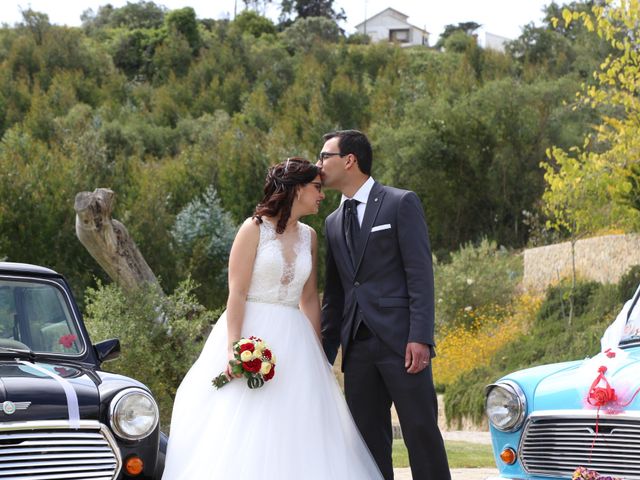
point(392, 282)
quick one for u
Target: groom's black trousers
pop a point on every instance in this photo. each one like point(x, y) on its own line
point(375, 376)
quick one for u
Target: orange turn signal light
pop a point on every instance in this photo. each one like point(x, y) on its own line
point(508, 456)
point(134, 465)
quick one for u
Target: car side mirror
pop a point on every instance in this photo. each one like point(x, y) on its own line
point(107, 349)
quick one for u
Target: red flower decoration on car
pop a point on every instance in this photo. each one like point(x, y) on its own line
point(599, 396)
point(67, 340)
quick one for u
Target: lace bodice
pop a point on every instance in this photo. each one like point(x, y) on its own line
point(282, 265)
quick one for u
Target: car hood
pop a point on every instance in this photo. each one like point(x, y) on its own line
point(47, 391)
point(564, 386)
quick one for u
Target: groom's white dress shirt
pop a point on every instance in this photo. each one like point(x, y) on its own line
point(362, 195)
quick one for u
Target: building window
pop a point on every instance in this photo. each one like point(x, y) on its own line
point(400, 36)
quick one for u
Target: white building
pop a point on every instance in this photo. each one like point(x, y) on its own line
point(495, 42)
point(391, 26)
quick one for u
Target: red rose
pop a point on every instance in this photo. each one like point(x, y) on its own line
point(601, 396)
point(252, 365)
point(266, 353)
point(271, 373)
point(246, 347)
point(67, 340)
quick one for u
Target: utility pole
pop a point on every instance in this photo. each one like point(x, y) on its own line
point(365, 17)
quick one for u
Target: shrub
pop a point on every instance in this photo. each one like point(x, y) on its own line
point(556, 305)
point(203, 233)
point(475, 276)
point(549, 340)
point(471, 343)
point(160, 336)
point(629, 283)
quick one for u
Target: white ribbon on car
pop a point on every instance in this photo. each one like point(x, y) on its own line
point(69, 391)
point(615, 332)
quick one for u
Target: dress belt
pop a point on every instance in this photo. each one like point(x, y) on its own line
point(272, 302)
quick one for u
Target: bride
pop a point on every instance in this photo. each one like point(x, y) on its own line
point(297, 425)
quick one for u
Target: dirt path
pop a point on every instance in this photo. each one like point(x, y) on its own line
point(456, 473)
point(459, 473)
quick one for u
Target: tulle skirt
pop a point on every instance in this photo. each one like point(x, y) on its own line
point(296, 426)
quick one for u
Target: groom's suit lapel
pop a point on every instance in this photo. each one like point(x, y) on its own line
point(370, 213)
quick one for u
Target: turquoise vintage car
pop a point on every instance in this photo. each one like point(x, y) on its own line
point(546, 421)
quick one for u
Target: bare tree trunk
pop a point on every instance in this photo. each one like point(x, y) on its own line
point(108, 241)
point(572, 292)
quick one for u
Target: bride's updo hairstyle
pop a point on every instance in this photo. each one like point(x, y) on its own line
point(281, 187)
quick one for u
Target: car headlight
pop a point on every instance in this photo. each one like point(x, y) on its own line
point(134, 414)
point(506, 405)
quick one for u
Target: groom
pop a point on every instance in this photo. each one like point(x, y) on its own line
point(378, 304)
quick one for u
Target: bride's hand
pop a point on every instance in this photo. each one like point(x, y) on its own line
point(232, 361)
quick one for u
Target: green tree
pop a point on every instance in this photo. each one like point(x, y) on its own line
point(37, 23)
point(559, 47)
point(171, 57)
point(306, 33)
point(253, 23)
point(132, 51)
point(203, 233)
point(588, 188)
point(588, 185)
point(257, 6)
point(142, 14)
point(310, 8)
point(459, 42)
point(461, 30)
point(184, 21)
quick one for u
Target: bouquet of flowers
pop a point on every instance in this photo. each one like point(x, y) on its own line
point(253, 360)
point(582, 473)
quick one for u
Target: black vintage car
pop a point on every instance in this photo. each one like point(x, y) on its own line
point(61, 417)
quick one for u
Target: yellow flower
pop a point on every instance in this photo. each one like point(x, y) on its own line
point(243, 341)
point(246, 356)
point(265, 368)
point(465, 347)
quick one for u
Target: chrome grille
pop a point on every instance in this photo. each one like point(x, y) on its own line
point(54, 451)
point(556, 444)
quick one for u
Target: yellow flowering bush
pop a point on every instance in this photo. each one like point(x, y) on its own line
point(483, 331)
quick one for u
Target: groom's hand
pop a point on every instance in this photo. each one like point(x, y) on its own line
point(416, 357)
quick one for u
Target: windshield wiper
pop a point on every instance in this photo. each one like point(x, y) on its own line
point(19, 352)
point(630, 342)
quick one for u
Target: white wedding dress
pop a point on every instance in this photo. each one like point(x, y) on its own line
point(298, 424)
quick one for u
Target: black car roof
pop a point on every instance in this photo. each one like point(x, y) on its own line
point(22, 268)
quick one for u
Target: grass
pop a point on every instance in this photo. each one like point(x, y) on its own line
point(460, 455)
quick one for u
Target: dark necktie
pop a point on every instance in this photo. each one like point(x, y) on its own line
point(351, 228)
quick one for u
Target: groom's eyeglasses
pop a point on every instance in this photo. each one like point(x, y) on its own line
point(324, 155)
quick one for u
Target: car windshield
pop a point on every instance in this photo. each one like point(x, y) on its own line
point(631, 332)
point(35, 315)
